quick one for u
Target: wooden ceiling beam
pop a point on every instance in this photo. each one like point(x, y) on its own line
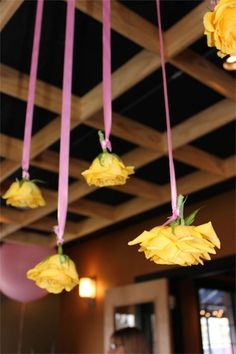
point(86, 226)
point(124, 21)
point(92, 208)
point(128, 24)
point(76, 191)
point(132, 72)
point(15, 84)
point(176, 39)
point(7, 10)
point(197, 158)
point(21, 237)
point(10, 147)
point(11, 215)
point(186, 31)
point(193, 156)
point(203, 123)
point(130, 130)
point(188, 184)
point(204, 71)
point(47, 223)
point(200, 124)
point(7, 167)
point(134, 185)
point(49, 97)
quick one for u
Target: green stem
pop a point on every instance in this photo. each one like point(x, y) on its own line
point(59, 249)
point(180, 206)
point(101, 139)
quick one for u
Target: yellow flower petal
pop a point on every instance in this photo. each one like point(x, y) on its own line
point(220, 27)
point(207, 21)
point(107, 170)
point(209, 232)
point(14, 188)
point(146, 235)
point(55, 274)
point(24, 194)
point(184, 246)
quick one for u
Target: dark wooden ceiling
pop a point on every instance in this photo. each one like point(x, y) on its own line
point(202, 106)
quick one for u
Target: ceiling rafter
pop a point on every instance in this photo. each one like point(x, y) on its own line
point(185, 32)
point(151, 144)
point(7, 10)
point(186, 185)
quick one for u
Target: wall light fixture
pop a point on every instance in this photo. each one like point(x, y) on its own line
point(87, 288)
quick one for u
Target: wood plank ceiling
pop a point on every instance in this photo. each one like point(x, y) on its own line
point(144, 145)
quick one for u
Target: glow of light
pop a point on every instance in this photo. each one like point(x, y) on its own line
point(87, 288)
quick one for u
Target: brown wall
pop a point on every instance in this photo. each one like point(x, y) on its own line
point(40, 325)
point(114, 263)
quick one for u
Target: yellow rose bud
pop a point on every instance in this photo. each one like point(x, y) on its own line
point(107, 170)
point(180, 245)
point(220, 27)
point(23, 194)
point(55, 274)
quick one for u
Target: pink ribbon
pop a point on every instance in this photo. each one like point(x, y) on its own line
point(65, 124)
point(213, 3)
point(31, 91)
point(106, 74)
point(175, 211)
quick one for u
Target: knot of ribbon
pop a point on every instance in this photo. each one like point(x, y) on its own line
point(25, 174)
point(173, 217)
point(213, 3)
point(106, 144)
point(59, 234)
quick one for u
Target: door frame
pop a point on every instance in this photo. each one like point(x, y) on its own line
point(155, 291)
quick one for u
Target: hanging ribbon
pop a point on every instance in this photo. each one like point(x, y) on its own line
point(31, 91)
point(213, 3)
point(175, 210)
point(106, 74)
point(65, 124)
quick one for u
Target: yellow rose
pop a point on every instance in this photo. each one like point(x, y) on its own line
point(107, 170)
point(24, 193)
point(182, 245)
point(220, 27)
point(55, 274)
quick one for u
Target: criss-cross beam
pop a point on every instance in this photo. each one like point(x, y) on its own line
point(123, 127)
point(191, 183)
point(52, 100)
point(200, 124)
point(94, 93)
point(7, 10)
point(183, 33)
point(192, 128)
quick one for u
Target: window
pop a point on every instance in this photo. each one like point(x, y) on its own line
point(217, 322)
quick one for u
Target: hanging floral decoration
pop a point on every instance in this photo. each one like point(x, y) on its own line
point(55, 273)
point(180, 243)
point(177, 241)
point(107, 169)
point(25, 193)
point(58, 272)
point(220, 27)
